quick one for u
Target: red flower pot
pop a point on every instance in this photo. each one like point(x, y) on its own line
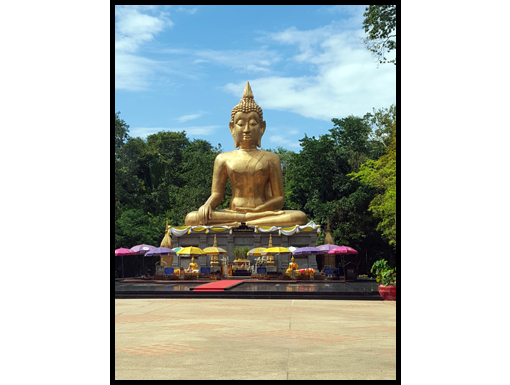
point(388, 293)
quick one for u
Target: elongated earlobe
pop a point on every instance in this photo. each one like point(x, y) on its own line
point(231, 127)
point(262, 130)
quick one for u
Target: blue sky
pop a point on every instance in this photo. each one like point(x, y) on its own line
point(184, 68)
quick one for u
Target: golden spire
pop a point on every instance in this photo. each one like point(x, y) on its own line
point(215, 244)
point(248, 93)
point(270, 241)
point(328, 239)
point(167, 239)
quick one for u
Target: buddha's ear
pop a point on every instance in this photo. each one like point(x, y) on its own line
point(231, 127)
point(262, 127)
point(262, 130)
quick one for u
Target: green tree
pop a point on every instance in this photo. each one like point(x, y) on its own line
point(381, 174)
point(163, 176)
point(381, 122)
point(121, 132)
point(351, 135)
point(380, 23)
point(319, 184)
point(286, 158)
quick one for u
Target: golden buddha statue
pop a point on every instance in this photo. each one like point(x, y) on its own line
point(193, 267)
point(255, 176)
point(292, 266)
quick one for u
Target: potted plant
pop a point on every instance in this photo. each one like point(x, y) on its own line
point(388, 279)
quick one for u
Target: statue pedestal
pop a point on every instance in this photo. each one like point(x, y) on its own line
point(249, 239)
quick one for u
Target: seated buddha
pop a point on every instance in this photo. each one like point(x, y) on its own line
point(292, 266)
point(193, 267)
point(255, 177)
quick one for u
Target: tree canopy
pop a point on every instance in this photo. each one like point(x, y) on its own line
point(380, 23)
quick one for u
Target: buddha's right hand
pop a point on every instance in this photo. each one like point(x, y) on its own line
point(204, 213)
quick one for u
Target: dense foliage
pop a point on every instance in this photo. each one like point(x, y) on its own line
point(380, 23)
point(347, 176)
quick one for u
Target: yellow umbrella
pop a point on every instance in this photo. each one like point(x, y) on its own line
point(275, 250)
point(190, 251)
point(257, 251)
point(214, 251)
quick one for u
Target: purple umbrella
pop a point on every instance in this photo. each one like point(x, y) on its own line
point(306, 251)
point(325, 248)
point(142, 249)
point(158, 251)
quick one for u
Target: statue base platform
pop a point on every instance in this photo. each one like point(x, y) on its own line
point(229, 239)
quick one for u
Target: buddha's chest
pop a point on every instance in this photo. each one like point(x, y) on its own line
point(248, 170)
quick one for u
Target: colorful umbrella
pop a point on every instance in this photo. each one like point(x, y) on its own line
point(158, 251)
point(256, 251)
point(214, 251)
point(142, 249)
point(176, 249)
point(292, 248)
point(306, 251)
point(275, 250)
point(343, 250)
point(325, 248)
point(190, 251)
point(124, 251)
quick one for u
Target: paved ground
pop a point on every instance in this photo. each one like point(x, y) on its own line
point(252, 339)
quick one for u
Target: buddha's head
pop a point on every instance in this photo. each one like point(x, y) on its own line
point(247, 125)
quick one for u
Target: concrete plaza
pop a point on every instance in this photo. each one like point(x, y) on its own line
point(254, 339)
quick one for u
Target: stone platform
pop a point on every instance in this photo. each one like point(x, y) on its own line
point(230, 238)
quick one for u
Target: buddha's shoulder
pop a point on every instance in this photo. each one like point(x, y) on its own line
point(224, 156)
point(271, 156)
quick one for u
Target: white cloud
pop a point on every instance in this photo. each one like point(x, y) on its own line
point(132, 30)
point(260, 60)
point(185, 118)
point(345, 80)
point(193, 130)
point(281, 141)
point(132, 72)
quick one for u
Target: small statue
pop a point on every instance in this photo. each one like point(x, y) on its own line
point(293, 266)
point(255, 176)
point(193, 267)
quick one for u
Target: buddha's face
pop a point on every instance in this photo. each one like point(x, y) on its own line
point(247, 129)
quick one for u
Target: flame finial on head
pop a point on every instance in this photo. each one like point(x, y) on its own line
point(247, 103)
point(248, 93)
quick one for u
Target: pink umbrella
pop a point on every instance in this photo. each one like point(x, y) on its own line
point(123, 251)
point(343, 250)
